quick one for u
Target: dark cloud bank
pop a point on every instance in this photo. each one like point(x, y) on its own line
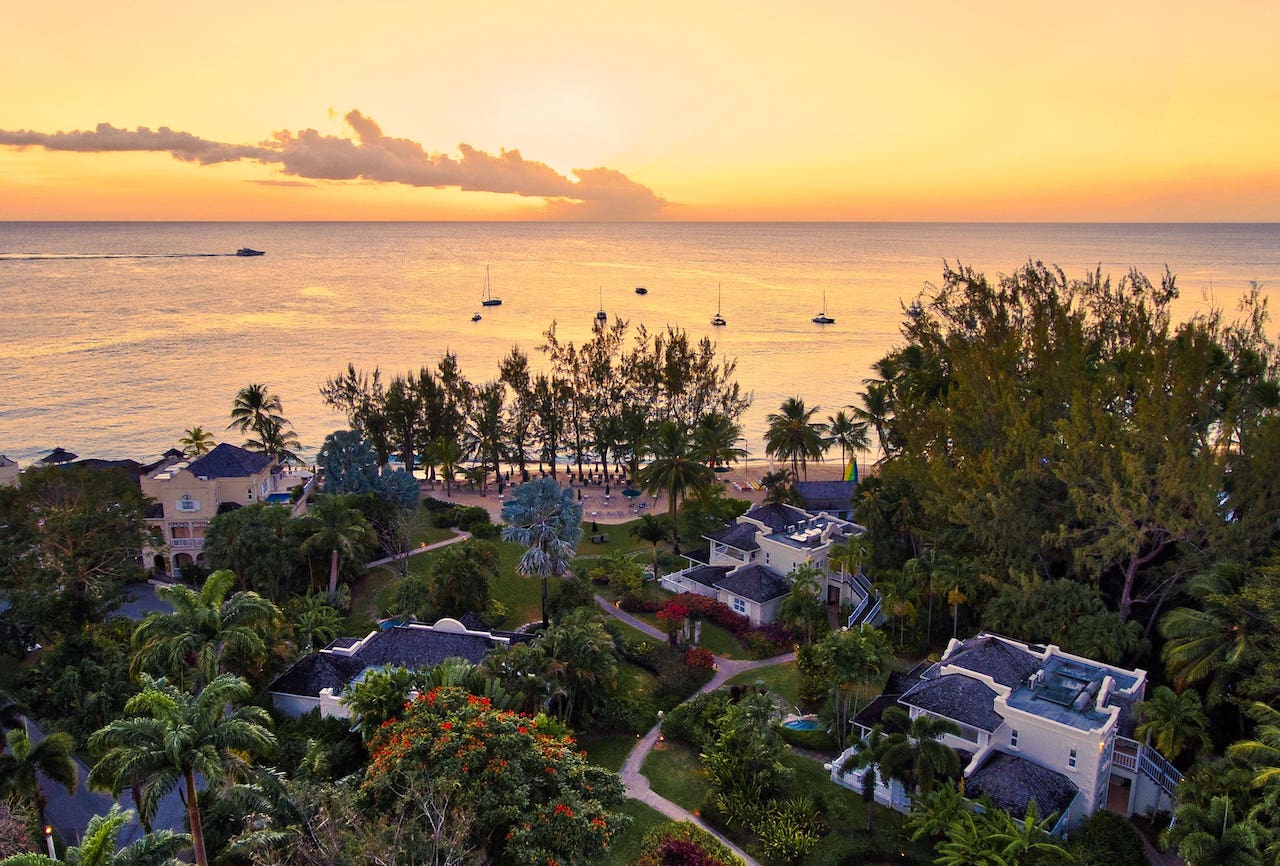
point(596, 193)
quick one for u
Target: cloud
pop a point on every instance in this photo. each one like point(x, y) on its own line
point(372, 156)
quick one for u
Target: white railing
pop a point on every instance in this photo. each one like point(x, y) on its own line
point(1150, 763)
point(187, 543)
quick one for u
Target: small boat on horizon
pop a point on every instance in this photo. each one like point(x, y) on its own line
point(641, 290)
point(601, 315)
point(245, 251)
point(475, 317)
point(822, 318)
point(486, 298)
point(718, 320)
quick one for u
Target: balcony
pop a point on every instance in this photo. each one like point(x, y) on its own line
point(187, 543)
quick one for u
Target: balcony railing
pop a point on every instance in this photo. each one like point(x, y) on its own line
point(1149, 762)
point(187, 543)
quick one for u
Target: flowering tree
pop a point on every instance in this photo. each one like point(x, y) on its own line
point(530, 797)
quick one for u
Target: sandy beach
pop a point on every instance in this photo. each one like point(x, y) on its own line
point(615, 508)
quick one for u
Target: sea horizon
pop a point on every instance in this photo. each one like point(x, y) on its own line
point(119, 335)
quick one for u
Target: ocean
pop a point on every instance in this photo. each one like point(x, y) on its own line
point(117, 337)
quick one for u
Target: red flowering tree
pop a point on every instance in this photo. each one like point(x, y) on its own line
point(530, 797)
point(672, 617)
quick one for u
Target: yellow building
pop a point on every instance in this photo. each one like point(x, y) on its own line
point(190, 493)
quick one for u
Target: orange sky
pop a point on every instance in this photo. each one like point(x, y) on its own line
point(706, 110)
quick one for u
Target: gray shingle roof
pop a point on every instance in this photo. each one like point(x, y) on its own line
point(740, 535)
point(958, 697)
point(405, 646)
point(1012, 782)
point(228, 461)
point(755, 582)
point(708, 575)
point(827, 496)
point(776, 516)
point(1007, 665)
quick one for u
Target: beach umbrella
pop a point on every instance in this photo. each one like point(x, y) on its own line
point(58, 455)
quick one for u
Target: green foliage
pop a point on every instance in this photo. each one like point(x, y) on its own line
point(98, 846)
point(846, 661)
point(1064, 612)
point(793, 436)
point(343, 751)
point(1106, 839)
point(530, 796)
point(378, 698)
point(71, 545)
point(315, 622)
point(258, 544)
point(82, 682)
point(694, 721)
point(744, 763)
point(1173, 722)
point(685, 843)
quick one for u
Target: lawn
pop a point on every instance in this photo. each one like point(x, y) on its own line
point(782, 679)
point(720, 641)
point(608, 750)
point(674, 772)
point(625, 848)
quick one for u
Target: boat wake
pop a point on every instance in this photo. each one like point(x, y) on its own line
point(31, 257)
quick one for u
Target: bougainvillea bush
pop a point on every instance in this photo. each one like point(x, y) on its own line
point(762, 641)
point(528, 795)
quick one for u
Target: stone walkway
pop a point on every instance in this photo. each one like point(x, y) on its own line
point(636, 783)
point(461, 536)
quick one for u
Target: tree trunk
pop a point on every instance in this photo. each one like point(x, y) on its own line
point(193, 818)
point(333, 572)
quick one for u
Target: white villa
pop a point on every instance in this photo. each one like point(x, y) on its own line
point(747, 563)
point(1035, 723)
point(189, 493)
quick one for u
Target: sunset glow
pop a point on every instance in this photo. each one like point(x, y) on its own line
point(707, 111)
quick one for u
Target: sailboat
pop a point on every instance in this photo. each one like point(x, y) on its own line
point(601, 315)
point(718, 319)
point(822, 318)
point(487, 299)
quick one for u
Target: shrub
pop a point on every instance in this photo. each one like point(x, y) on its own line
point(683, 844)
point(700, 659)
point(467, 518)
point(817, 740)
point(1106, 839)
point(485, 531)
point(694, 722)
point(430, 503)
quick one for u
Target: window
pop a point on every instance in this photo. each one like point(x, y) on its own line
point(1013, 738)
point(180, 531)
point(1071, 759)
point(186, 503)
point(739, 605)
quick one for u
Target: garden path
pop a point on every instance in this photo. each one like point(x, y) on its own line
point(636, 783)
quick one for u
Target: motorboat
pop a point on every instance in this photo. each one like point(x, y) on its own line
point(475, 317)
point(245, 251)
point(641, 290)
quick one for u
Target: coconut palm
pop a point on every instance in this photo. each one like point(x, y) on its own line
point(1209, 835)
point(1173, 721)
point(674, 469)
point(716, 437)
point(1262, 753)
point(98, 846)
point(653, 530)
point(580, 664)
point(803, 605)
point(23, 758)
point(255, 409)
point(545, 518)
point(277, 440)
point(794, 436)
point(1213, 642)
point(334, 527)
point(914, 755)
point(447, 454)
point(851, 435)
point(206, 634)
point(196, 442)
point(851, 658)
point(168, 737)
point(877, 411)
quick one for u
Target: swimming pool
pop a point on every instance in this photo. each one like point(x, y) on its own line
point(279, 498)
point(801, 724)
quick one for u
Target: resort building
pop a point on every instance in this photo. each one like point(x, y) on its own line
point(1035, 723)
point(747, 564)
point(8, 471)
point(833, 497)
point(189, 493)
point(318, 680)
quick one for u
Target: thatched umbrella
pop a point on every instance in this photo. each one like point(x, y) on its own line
point(58, 455)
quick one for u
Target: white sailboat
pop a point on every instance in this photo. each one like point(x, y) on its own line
point(486, 298)
point(717, 319)
point(822, 318)
point(601, 315)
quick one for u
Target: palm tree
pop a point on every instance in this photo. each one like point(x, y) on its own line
point(1173, 721)
point(1028, 840)
point(277, 440)
point(851, 435)
point(1205, 835)
point(580, 664)
point(334, 527)
point(1215, 642)
point(803, 606)
point(169, 737)
point(23, 758)
point(716, 437)
point(654, 530)
point(793, 435)
point(447, 454)
point(196, 442)
point(850, 657)
point(1263, 752)
point(915, 755)
point(674, 469)
point(255, 408)
point(544, 517)
point(98, 846)
point(206, 633)
point(877, 411)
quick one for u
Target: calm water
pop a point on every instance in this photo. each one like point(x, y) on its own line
point(116, 337)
